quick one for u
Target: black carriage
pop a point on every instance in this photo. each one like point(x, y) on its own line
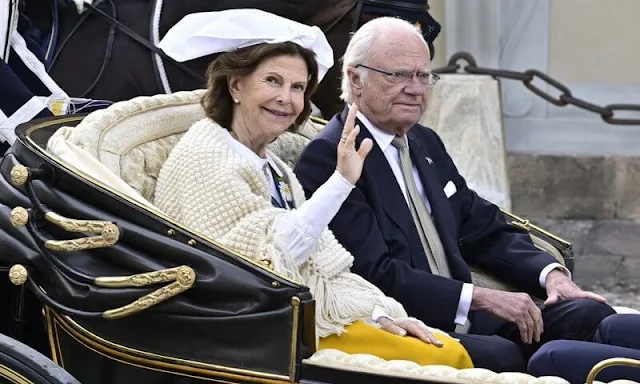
point(112, 290)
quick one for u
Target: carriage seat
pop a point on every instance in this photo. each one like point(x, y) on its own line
point(132, 139)
point(331, 358)
point(125, 145)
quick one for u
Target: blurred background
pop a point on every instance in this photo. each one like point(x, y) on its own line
point(566, 169)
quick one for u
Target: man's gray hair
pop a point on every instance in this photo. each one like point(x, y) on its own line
point(362, 45)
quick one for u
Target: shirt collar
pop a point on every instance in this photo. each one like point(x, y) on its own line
point(382, 138)
point(250, 156)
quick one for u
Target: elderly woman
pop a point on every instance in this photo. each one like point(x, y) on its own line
point(221, 180)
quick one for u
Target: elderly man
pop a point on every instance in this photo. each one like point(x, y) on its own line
point(414, 227)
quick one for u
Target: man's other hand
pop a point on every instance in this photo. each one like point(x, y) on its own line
point(560, 287)
point(515, 307)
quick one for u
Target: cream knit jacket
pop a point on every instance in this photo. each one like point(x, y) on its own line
point(207, 186)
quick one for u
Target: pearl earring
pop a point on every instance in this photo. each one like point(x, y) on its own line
point(236, 101)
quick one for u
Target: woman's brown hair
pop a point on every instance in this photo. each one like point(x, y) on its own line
point(217, 101)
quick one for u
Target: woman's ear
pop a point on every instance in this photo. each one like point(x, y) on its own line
point(234, 87)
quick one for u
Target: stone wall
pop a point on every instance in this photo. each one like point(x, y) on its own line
point(594, 203)
point(575, 187)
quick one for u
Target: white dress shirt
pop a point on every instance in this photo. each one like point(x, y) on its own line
point(383, 139)
point(299, 228)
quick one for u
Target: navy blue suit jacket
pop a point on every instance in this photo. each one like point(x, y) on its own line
point(376, 226)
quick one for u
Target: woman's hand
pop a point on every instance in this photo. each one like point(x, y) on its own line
point(411, 327)
point(350, 160)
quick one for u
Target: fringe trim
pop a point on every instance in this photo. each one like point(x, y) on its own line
point(342, 299)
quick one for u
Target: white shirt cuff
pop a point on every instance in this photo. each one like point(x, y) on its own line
point(545, 272)
point(347, 184)
point(378, 312)
point(299, 229)
point(319, 210)
point(464, 305)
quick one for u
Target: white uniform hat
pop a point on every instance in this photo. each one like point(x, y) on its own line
point(205, 33)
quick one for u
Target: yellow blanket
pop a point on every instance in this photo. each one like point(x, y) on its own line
point(360, 337)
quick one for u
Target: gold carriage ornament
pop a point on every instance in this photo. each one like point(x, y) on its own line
point(19, 175)
point(182, 278)
point(604, 364)
point(18, 274)
point(107, 232)
point(19, 217)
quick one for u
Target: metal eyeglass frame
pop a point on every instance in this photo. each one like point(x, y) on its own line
point(402, 75)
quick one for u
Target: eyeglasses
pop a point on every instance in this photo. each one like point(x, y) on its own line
point(403, 77)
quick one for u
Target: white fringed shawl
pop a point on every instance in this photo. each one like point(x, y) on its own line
point(207, 186)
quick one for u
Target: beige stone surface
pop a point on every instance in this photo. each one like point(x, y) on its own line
point(627, 186)
point(465, 111)
point(569, 187)
point(575, 187)
point(594, 41)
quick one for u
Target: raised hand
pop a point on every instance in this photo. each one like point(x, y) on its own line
point(350, 161)
point(411, 327)
point(515, 307)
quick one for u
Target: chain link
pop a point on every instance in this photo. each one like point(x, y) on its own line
point(565, 97)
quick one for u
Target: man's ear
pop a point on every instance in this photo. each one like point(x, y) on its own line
point(355, 80)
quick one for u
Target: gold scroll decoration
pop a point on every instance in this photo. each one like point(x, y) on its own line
point(181, 279)
point(107, 233)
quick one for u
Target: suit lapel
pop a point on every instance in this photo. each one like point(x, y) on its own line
point(383, 179)
point(391, 197)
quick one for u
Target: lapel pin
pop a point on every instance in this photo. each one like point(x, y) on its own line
point(428, 160)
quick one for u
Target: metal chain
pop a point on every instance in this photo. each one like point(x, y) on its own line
point(607, 113)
